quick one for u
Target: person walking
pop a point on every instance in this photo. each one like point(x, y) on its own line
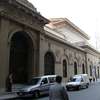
point(57, 91)
point(9, 83)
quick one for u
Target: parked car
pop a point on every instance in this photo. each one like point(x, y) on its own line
point(38, 86)
point(78, 81)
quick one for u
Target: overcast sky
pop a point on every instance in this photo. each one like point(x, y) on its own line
point(83, 13)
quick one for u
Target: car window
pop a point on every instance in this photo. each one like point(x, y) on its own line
point(82, 80)
point(72, 79)
point(75, 80)
point(51, 79)
point(34, 81)
point(78, 79)
point(44, 81)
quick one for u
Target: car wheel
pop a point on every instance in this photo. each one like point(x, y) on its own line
point(79, 87)
point(87, 85)
point(37, 94)
point(19, 94)
point(67, 89)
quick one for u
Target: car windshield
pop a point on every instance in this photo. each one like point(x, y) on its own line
point(34, 81)
point(75, 80)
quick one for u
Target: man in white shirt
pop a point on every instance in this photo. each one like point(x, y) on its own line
point(57, 91)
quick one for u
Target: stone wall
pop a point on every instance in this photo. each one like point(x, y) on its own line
point(61, 51)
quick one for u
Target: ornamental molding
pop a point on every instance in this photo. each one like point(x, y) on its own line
point(22, 15)
point(27, 4)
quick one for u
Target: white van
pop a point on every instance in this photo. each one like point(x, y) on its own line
point(78, 81)
point(38, 86)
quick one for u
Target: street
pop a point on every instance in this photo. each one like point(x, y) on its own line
point(92, 93)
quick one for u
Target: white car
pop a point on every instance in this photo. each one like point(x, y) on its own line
point(78, 82)
point(38, 86)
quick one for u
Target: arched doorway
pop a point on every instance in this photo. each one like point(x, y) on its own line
point(49, 64)
point(21, 52)
point(64, 68)
point(83, 68)
point(75, 68)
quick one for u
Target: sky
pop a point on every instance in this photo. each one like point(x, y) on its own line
point(83, 13)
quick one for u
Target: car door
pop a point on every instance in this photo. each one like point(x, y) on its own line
point(83, 83)
point(51, 80)
point(44, 87)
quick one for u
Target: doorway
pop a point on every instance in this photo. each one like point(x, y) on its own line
point(20, 63)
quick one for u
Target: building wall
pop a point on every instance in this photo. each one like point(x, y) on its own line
point(93, 61)
point(18, 20)
point(15, 17)
point(61, 51)
point(4, 50)
point(66, 32)
point(6, 34)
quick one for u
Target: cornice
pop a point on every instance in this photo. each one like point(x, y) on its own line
point(77, 28)
point(17, 14)
point(25, 7)
point(91, 49)
point(65, 21)
point(27, 4)
point(57, 38)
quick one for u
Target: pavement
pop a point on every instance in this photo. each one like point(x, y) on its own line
point(8, 95)
point(13, 94)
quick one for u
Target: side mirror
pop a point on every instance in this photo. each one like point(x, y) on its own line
point(42, 83)
point(82, 80)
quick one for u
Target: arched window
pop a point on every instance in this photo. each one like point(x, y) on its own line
point(64, 68)
point(49, 64)
point(83, 68)
point(90, 70)
point(75, 68)
point(98, 71)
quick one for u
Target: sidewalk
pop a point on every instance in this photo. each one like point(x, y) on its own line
point(13, 94)
point(8, 95)
point(98, 80)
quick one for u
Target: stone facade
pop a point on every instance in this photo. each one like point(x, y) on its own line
point(79, 51)
point(17, 20)
point(29, 49)
point(61, 51)
point(92, 59)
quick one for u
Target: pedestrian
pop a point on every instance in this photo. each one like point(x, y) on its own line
point(90, 79)
point(57, 91)
point(9, 83)
point(96, 77)
point(93, 79)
